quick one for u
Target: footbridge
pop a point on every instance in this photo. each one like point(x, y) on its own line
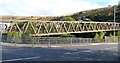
point(40, 28)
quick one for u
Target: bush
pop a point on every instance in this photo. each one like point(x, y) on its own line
point(67, 35)
point(118, 34)
point(97, 36)
point(100, 35)
point(111, 35)
point(67, 19)
point(27, 38)
point(14, 37)
point(9, 37)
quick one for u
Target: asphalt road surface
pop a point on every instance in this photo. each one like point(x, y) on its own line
point(104, 52)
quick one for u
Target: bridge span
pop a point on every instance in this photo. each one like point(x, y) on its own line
point(40, 28)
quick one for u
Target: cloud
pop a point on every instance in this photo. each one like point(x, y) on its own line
point(113, 2)
point(100, 0)
point(46, 7)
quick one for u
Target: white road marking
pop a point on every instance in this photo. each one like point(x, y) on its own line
point(109, 48)
point(77, 52)
point(67, 53)
point(22, 59)
point(86, 51)
point(71, 52)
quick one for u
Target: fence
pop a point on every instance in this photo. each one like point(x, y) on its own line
point(53, 40)
point(112, 39)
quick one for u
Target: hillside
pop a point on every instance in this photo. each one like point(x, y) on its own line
point(100, 14)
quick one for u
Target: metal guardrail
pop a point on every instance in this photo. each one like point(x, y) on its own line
point(53, 40)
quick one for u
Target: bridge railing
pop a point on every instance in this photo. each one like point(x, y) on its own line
point(54, 40)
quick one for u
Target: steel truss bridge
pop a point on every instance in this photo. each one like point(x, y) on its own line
point(40, 28)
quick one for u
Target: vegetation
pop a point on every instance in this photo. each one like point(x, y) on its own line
point(67, 19)
point(18, 37)
point(97, 36)
point(111, 35)
point(67, 35)
point(14, 37)
point(100, 35)
point(118, 34)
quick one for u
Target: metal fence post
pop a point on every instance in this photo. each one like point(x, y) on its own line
point(90, 41)
point(56, 41)
point(49, 42)
point(61, 41)
point(87, 41)
point(71, 41)
point(15, 43)
point(105, 40)
point(1, 37)
point(14, 39)
point(80, 40)
point(33, 41)
point(118, 39)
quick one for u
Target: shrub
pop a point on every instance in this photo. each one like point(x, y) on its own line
point(27, 38)
point(118, 34)
point(67, 19)
point(14, 37)
point(9, 37)
point(67, 35)
point(111, 35)
point(99, 36)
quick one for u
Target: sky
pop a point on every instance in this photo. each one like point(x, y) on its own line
point(50, 7)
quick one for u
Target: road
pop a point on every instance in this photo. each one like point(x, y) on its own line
point(103, 52)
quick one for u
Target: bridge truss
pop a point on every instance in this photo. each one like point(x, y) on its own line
point(40, 28)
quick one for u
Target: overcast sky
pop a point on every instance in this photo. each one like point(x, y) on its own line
point(49, 7)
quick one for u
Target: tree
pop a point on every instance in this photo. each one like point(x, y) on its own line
point(100, 35)
point(111, 35)
point(67, 19)
point(118, 34)
point(97, 36)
